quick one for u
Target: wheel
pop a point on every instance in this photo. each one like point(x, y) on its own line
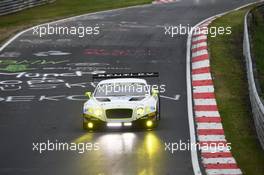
point(158, 109)
point(84, 124)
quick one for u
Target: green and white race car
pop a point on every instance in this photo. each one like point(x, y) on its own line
point(121, 102)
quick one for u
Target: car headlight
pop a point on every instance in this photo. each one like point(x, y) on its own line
point(98, 112)
point(149, 109)
point(95, 111)
point(140, 111)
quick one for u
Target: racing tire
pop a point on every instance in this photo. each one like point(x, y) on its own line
point(84, 125)
point(158, 117)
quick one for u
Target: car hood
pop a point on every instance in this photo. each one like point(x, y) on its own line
point(119, 99)
point(120, 102)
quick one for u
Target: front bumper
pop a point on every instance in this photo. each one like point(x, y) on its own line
point(98, 123)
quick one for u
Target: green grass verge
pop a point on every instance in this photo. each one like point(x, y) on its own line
point(257, 26)
point(228, 69)
point(12, 23)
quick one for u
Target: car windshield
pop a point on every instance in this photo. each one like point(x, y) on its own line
point(121, 89)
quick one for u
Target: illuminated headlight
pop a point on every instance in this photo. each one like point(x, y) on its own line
point(150, 109)
point(149, 123)
point(90, 125)
point(140, 111)
point(98, 112)
point(95, 111)
point(90, 110)
point(114, 124)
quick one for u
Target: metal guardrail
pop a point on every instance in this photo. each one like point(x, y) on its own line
point(12, 6)
point(256, 102)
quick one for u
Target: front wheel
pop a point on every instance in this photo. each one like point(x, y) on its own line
point(158, 109)
point(85, 124)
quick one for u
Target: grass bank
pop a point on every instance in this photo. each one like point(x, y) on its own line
point(228, 69)
point(257, 33)
point(12, 23)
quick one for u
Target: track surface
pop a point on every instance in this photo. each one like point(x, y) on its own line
point(132, 40)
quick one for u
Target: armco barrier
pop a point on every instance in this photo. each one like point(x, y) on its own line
point(11, 6)
point(256, 103)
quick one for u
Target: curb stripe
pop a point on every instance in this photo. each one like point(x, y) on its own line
point(203, 89)
point(215, 151)
point(205, 108)
point(199, 45)
point(210, 131)
point(201, 70)
point(201, 64)
point(200, 58)
point(202, 82)
point(219, 160)
point(211, 138)
point(217, 155)
point(211, 149)
point(223, 172)
point(206, 76)
point(205, 101)
point(199, 41)
point(221, 166)
point(203, 95)
point(201, 37)
point(208, 119)
point(199, 53)
point(221, 143)
point(199, 48)
point(209, 126)
point(198, 34)
point(207, 113)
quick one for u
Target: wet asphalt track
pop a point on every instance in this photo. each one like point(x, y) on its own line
point(130, 40)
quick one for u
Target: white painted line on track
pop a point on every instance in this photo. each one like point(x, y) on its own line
point(194, 155)
point(68, 19)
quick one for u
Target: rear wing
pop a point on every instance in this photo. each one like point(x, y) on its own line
point(126, 75)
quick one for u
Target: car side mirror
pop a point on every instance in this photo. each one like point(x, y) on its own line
point(88, 94)
point(154, 92)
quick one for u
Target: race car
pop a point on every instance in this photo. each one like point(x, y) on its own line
point(122, 102)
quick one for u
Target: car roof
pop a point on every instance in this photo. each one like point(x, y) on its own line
point(123, 80)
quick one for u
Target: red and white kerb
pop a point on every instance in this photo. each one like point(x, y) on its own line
point(208, 121)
